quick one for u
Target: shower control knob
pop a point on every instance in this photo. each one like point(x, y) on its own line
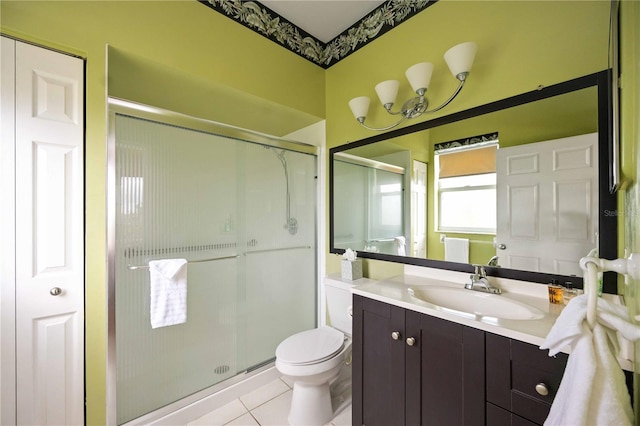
point(55, 291)
point(396, 335)
point(411, 341)
point(542, 389)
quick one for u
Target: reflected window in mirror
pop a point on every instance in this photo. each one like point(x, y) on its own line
point(466, 185)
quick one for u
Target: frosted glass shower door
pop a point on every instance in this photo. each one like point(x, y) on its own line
point(168, 206)
point(219, 203)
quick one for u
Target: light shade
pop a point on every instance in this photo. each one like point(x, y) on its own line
point(419, 75)
point(460, 57)
point(387, 91)
point(360, 106)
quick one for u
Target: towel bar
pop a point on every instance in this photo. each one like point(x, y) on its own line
point(136, 267)
point(211, 259)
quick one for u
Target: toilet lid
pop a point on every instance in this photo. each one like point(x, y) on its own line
point(311, 346)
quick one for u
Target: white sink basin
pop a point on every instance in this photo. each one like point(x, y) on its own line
point(470, 302)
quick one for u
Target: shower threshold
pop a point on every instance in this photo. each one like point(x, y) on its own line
point(200, 403)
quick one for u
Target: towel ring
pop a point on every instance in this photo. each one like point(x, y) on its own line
point(592, 265)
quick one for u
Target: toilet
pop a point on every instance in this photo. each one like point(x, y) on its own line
point(318, 361)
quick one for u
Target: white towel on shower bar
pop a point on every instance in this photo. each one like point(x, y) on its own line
point(456, 250)
point(168, 279)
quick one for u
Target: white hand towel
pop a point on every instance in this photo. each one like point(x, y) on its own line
point(456, 250)
point(593, 389)
point(400, 243)
point(168, 278)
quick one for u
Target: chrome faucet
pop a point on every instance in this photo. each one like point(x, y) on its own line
point(493, 261)
point(480, 282)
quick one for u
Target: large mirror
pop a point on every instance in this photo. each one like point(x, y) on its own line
point(521, 186)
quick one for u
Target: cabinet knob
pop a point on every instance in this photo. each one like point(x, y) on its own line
point(396, 335)
point(55, 291)
point(411, 341)
point(542, 389)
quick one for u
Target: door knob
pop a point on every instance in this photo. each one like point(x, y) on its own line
point(396, 335)
point(411, 341)
point(55, 291)
point(542, 389)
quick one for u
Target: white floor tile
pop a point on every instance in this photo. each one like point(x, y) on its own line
point(222, 415)
point(264, 394)
point(268, 405)
point(288, 381)
point(274, 412)
point(343, 418)
point(246, 420)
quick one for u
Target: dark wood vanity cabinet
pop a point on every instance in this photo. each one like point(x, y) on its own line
point(522, 381)
point(417, 370)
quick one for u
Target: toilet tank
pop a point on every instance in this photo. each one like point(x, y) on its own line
point(339, 300)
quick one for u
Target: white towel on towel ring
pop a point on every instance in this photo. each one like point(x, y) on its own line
point(168, 279)
point(593, 389)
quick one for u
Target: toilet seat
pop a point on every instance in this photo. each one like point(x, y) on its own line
point(310, 347)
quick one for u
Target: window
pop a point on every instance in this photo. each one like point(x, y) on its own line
point(466, 187)
point(468, 203)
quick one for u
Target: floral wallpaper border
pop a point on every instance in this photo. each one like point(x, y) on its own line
point(489, 137)
point(266, 22)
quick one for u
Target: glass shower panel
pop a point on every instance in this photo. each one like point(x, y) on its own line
point(351, 199)
point(386, 209)
point(175, 198)
point(369, 207)
point(280, 207)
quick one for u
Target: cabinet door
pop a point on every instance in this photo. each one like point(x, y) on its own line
point(378, 377)
point(444, 372)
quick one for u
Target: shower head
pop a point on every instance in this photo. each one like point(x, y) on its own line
point(291, 223)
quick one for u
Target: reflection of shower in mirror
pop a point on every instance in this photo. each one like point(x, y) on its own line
point(291, 223)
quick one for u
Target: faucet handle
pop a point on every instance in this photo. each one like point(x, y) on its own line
point(479, 271)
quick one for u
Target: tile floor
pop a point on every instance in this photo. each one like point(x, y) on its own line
point(266, 406)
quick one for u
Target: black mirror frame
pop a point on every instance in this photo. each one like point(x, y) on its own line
point(607, 219)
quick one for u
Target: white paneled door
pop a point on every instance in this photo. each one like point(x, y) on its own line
point(548, 204)
point(47, 280)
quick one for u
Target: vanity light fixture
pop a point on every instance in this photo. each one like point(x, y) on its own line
point(459, 59)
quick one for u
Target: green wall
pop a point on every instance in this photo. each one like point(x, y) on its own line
point(174, 54)
point(630, 155)
point(186, 48)
point(521, 45)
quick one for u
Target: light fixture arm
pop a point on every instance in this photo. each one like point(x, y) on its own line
point(462, 77)
point(413, 108)
point(382, 129)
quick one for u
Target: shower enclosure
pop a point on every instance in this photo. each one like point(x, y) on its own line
point(370, 212)
point(244, 217)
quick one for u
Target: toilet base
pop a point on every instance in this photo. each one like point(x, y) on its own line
point(310, 405)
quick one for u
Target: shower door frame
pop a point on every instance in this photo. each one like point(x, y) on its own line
point(120, 106)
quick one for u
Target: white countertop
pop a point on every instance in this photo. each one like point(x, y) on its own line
point(534, 331)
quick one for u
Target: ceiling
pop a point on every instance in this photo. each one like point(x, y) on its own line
point(321, 31)
point(323, 19)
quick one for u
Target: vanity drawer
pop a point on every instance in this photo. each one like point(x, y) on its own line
point(497, 416)
point(531, 367)
point(514, 370)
